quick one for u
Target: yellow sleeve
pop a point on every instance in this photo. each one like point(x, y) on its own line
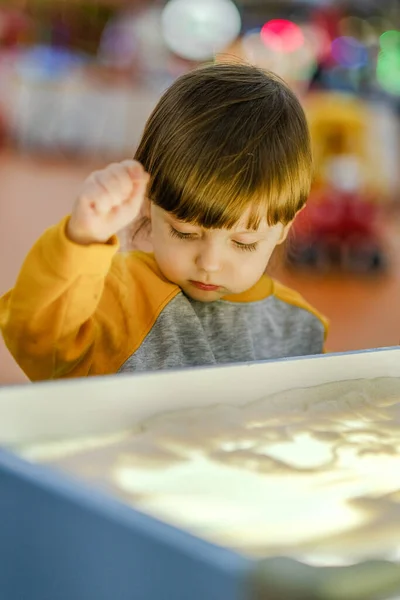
point(79, 310)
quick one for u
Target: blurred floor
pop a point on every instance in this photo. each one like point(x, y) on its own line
point(36, 193)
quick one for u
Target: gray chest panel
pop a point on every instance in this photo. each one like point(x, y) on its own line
point(189, 333)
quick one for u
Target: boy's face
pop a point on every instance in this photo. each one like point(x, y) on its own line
point(208, 264)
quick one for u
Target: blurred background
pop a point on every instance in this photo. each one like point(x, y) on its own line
point(78, 79)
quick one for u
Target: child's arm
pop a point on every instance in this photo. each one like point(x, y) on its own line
point(60, 313)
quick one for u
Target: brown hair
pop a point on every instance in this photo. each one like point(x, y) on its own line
point(224, 138)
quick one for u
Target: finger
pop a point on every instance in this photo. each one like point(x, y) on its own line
point(111, 187)
point(103, 204)
point(130, 163)
point(95, 197)
point(139, 188)
point(134, 168)
point(122, 180)
point(123, 185)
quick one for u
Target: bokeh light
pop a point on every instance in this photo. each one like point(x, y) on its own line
point(349, 52)
point(198, 29)
point(388, 68)
point(282, 35)
point(45, 63)
point(390, 41)
point(297, 66)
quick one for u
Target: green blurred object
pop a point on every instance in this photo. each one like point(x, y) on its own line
point(287, 579)
point(388, 68)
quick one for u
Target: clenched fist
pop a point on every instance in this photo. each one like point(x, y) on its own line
point(109, 200)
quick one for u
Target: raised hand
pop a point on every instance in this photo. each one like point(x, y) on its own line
point(109, 200)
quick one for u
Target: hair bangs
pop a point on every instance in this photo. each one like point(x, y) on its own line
point(249, 184)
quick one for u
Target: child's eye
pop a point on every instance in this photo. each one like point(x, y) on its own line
point(180, 235)
point(246, 247)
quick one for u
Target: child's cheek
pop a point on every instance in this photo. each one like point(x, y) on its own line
point(170, 258)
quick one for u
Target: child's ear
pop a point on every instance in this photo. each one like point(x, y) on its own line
point(286, 228)
point(285, 232)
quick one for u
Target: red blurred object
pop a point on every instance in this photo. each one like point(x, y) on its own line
point(282, 35)
point(338, 230)
point(328, 19)
point(15, 27)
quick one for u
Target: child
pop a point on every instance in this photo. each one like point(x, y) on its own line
point(222, 169)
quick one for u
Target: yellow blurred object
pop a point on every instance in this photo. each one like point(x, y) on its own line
point(341, 128)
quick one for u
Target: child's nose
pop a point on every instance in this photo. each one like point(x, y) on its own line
point(209, 259)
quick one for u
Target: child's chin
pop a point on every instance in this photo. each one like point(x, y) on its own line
point(201, 295)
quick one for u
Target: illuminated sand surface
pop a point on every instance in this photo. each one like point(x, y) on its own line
point(310, 473)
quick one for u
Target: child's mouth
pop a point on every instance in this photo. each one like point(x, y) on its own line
point(205, 287)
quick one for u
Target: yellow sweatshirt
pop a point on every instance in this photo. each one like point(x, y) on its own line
point(90, 310)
